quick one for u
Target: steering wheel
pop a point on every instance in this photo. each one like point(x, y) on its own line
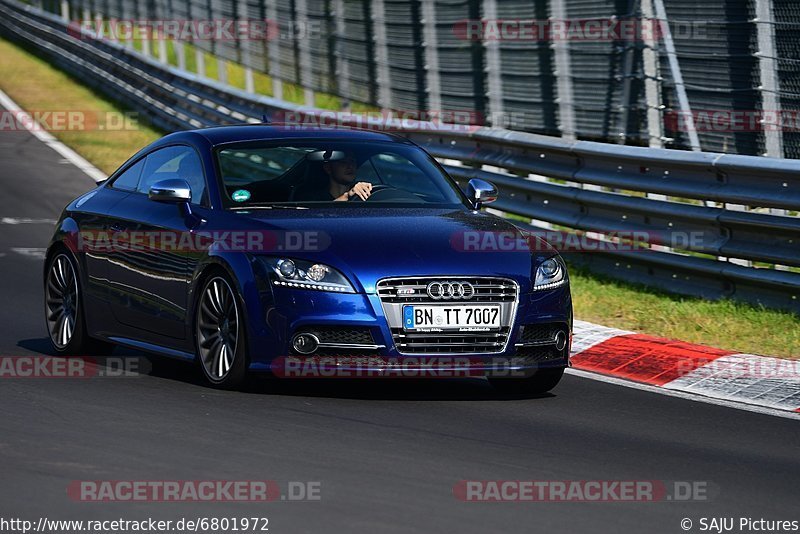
point(377, 189)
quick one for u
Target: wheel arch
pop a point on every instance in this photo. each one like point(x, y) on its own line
point(238, 271)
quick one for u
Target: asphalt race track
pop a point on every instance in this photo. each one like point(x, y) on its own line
point(386, 454)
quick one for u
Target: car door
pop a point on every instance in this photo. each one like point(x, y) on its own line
point(150, 271)
point(95, 218)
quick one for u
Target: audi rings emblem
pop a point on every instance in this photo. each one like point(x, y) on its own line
point(451, 290)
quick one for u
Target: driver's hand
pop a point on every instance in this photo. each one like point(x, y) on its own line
point(362, 189)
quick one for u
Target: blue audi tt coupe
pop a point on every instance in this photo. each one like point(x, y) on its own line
point(306, 252)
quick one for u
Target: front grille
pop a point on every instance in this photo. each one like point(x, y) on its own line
point(341, 335)
point(449, 343)
point(486, 289)
point(395, 292)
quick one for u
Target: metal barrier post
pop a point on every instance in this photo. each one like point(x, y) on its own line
point(652, 80)
point(770, 92)
point(493, 67)
point(342, 63)
point(566, 99)
point(301, 24)
point(273, 52)
point(430, 45)
point(674, 66)
point(381, 56)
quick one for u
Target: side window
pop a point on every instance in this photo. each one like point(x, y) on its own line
point(129, 180)
point(174, 162)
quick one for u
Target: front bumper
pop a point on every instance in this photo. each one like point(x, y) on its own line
point(294, 310)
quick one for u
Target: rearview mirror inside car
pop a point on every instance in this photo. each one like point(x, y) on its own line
point(326, 155)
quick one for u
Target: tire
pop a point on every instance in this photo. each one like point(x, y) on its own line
point(543, 381)
point(220, 340)
point(63, 307)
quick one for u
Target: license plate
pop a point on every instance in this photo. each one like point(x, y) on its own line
point(450, 317)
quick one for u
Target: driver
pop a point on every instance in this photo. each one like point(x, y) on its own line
point(342, 180)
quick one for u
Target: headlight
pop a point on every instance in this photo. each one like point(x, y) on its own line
point(307, 275)
point(551, 273)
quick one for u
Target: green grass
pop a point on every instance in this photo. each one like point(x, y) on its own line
point(35, 85)
point(724, 324)
point(359, 107)
point(262, 82)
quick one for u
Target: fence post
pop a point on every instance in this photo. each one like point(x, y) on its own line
point(99, 25)
point(652, 80)
point(430, 45)
point(566, 105)
point(180, 53)
point(273, 52)
point(244, 45)
point(342, 73)
point(162, 48)
point(768, 67)
point(381, 56)
point(677, 77)
point(304, 49)
point(200, 59)
point(249, 82)
point(222, 70)
point(627, 76)
point(145, 41)
point(494, 73)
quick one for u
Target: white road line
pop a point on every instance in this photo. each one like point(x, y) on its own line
point(37, 253)
point(681, 395)
point(45, 137)
point(25, 220)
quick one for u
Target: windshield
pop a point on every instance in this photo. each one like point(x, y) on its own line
point(310, 173)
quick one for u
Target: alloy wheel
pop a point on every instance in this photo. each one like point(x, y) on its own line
point(217, 328)
point(61, 301)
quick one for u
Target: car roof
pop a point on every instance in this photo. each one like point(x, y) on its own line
point(219, 135)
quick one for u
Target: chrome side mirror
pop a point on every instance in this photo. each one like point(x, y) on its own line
point(173, 190)
point(481, 192)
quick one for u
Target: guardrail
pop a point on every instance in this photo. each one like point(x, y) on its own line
point(576, 186)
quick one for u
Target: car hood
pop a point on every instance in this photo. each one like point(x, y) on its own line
point(368, 244)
